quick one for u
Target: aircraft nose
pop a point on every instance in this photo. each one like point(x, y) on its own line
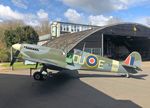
point(17, 46)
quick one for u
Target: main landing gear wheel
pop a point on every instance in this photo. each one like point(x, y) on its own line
point(39, 76)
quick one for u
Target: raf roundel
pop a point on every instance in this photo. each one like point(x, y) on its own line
point(91, 61)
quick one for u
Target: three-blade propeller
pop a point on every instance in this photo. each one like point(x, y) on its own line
point(17, 47)
point(14, 57)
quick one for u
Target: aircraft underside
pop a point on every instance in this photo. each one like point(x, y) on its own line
point(43, 74)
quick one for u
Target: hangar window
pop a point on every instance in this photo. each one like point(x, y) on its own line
point(96, 51)
point(61, 27)
point(67, 28)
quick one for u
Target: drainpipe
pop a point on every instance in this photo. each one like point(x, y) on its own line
point(102, 45)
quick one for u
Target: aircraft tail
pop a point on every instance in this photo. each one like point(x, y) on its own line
point(134, 60)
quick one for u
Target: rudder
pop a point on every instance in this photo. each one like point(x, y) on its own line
point(134, 59)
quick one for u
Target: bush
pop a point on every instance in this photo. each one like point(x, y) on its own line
point(4, 55)
point(24, 34)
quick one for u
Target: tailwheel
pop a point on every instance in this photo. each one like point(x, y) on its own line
point(38, 76)
point(128, 75)
point(121, 74)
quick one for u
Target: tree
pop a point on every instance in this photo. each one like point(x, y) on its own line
point(10, 38)
point(4, 55)
point(43, 28)
point(9, 25)
point(24, 34)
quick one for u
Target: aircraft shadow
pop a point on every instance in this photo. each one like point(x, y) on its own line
point(141, 77)
point(63, 90)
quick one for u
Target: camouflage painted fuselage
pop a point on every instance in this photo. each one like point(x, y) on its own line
point(79, 60)
point(87, 61)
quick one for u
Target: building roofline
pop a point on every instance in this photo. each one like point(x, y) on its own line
point(76, 23)
point(92, 31)
point(104, 27)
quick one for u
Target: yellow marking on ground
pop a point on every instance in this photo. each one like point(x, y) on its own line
point(115, 66)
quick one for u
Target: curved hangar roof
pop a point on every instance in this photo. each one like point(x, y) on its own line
point(69, 41)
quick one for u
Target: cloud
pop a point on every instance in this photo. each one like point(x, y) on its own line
point(143, 20)
point(103, 6)
point(1, 20)
point(35, 19)
point(148, 21)
point(58, 19)
point(42, 14)
point(99, 20)
point(6, 13)
point(32, 22)
point(73, 16)
point(20, 3)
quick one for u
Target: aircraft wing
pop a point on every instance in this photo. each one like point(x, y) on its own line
point(54, 63)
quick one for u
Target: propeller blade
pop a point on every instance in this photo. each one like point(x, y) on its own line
point(14, 57)
point(36, 65)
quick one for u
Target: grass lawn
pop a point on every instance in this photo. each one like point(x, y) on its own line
point(19, 65)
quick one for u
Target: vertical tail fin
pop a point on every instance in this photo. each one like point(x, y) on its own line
point(134, 59)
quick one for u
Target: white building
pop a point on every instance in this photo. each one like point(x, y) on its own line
point(58, 28)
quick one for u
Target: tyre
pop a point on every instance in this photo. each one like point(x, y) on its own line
point(38, 76)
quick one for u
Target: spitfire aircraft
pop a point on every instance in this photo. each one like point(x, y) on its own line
point(56, 59)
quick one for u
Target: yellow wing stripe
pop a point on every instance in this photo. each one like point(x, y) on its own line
point(115, 66)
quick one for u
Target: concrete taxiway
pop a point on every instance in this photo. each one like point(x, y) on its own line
point(83, 89)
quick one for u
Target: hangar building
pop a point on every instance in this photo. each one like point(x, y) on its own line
point(114, 41)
